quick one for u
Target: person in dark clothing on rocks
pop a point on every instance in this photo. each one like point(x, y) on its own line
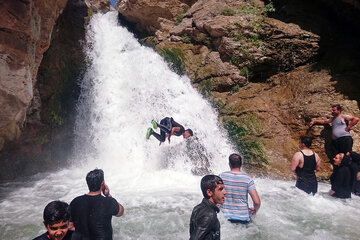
point(204, 224)
point(305, 164)
point(168, 127)
point(341, 177)
point(91, 213)
point(342, 141)
point(56, 221)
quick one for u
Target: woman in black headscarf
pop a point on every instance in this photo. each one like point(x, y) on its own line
point(341, 177)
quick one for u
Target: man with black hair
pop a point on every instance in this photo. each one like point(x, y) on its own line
point(238, 185)
point(305, 164)
point(341, 124)
point(91, 213)
point(168, 127)
point(56, 221)
point(204, 224)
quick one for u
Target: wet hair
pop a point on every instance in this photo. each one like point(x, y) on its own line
point(189, 131)
point(235, 160)
point(56, 211)
point(338, 107)
point(209, 182)
point(306, 140)
point(94, 179)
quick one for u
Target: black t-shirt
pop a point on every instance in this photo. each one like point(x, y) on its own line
point(46, 236)
point(92, 215)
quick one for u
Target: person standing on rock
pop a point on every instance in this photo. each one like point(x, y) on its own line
point(342, 141)
point(305, 164)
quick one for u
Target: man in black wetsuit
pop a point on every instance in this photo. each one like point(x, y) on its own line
point(56, 221)
point(305, 163)
point(91, 213)
point(204, 224)
point(168, 127)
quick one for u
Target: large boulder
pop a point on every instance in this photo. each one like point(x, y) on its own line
point(147, 13)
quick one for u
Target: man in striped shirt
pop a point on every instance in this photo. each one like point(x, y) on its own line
point(238, 185)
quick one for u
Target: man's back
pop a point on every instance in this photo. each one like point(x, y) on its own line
point(237, 185)
point(92, 215)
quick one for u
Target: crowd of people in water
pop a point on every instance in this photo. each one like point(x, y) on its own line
point(89, 216)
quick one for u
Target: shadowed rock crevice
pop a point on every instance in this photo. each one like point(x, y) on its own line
point(47, 135)
point(338, 25)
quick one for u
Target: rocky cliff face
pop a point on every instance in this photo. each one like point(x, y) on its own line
point(268, 67)
point(25, 33)
point(45, 96)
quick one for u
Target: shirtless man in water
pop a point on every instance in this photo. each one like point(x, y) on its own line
point(305, 164)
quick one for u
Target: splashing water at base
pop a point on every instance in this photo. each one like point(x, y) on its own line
point(126, 86)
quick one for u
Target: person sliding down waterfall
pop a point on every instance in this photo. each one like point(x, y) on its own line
point(168, 127)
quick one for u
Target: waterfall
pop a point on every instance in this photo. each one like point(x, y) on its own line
point(126, 86)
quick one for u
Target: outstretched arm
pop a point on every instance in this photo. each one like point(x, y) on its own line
point(320, 121)
point(256, 200)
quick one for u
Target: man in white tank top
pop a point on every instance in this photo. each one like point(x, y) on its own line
point(341, 125)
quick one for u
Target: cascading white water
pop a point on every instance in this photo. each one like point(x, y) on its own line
point(125, 87)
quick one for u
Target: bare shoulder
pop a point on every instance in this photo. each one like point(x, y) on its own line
point(347, 117)
point(297, 155)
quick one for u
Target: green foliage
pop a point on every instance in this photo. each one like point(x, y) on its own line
point(244, 71)
point(250, 147)
point(88, 17)
point(256, 24)
point(59, 102)
point(252, 9)
point(254, 39)
point(238, 37)
point(56, 119)
point(43, 139)
point(227, 11)
point(206, 86)
point(180, 17)
point(235, 89)
point(235, 60)
point(175, 57)
point(186, 39)
point(269, 8)
point(148, 41)
point(221, 103)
